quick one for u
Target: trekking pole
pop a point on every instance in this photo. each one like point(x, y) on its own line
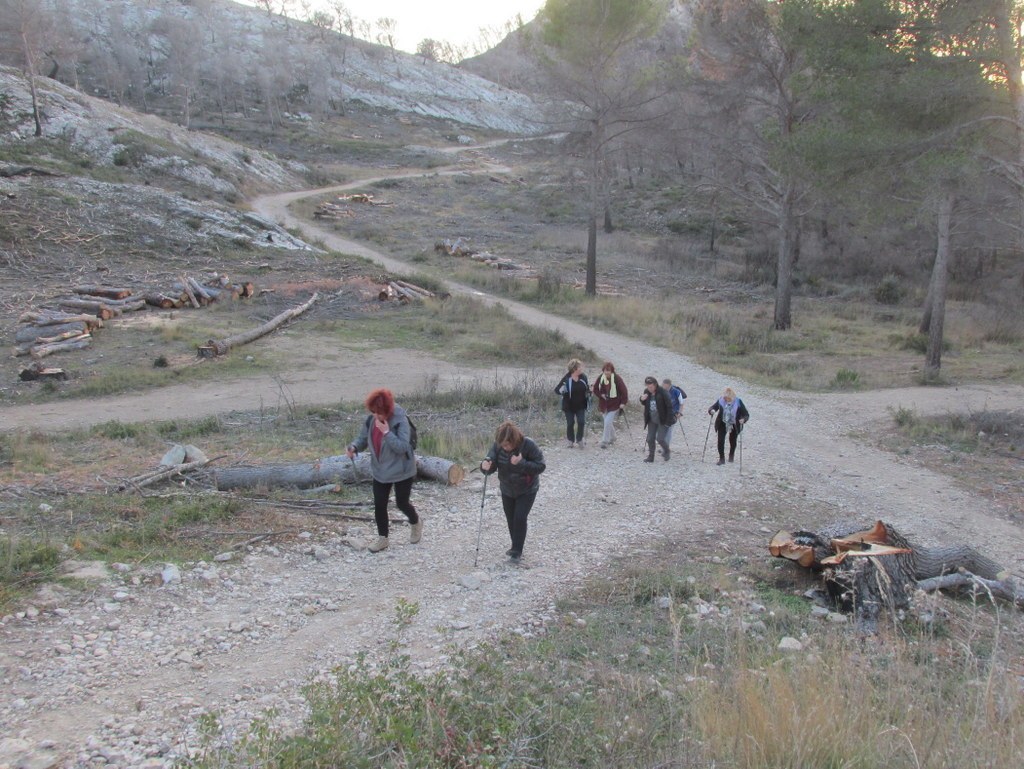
point(706, 439)
point(480, 527)
point(741, 449)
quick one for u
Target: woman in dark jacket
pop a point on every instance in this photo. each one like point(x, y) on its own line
point(575, 391)
point(519, 463)
point(658, 417)
point(392, 463)
point(732, 415)
point(610, 391)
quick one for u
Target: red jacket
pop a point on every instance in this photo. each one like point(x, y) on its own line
point(602, 388)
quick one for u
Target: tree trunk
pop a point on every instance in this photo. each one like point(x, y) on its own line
point(214, 347)
point(326, 471)
point(940, 278)
point(591, 288)
point(787, 248)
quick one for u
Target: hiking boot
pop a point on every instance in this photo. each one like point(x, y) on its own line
point(730, 458)
point(416, 532)
point(603, 445)
point(380, 544)
point(721, 461)
point(515, 555)
point(666, 454)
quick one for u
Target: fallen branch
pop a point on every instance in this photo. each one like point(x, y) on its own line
point(214, 348)
point(148, 479)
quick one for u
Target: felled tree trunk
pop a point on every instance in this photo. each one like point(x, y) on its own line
point(339, 469)
point(215, 347)
point(868, 570)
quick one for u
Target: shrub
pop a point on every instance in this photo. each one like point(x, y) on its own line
point(845, 379)
point(903, 417)
point(890, 290)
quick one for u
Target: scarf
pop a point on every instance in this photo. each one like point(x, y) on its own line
point(729, 411)
point(609, 379)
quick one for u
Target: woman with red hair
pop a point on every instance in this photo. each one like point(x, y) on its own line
point(392, 463)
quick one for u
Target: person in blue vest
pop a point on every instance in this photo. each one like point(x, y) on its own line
point(386, 433)
point(732, 415)
point(575, 391)
point(676, 396)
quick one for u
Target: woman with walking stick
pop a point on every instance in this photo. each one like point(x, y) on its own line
point(732, 415)
point(658, 417)
point(519, 463)
point(611, 395)
point(392, 463)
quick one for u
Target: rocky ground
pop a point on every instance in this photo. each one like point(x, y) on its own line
point(119, 673)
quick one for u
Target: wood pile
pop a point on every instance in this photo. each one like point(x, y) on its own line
point(404, 292)
point(871, 571)
point(332, 210)
point(71, 325)
point(461, 247)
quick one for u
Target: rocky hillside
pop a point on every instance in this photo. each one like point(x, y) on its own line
point(190, 60)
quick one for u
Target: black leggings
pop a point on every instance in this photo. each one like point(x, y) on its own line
point(381, 492)
point(516, 511)
point(577, 419)
point(721, 442)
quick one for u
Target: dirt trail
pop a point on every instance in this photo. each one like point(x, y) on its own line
point(248, 638)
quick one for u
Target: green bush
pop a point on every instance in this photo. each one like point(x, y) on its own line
point(890, 290)
point(845, 379)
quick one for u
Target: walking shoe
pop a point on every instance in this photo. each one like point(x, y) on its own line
point(666, 453)
point(416, 532)
point(721, 461)
point(649, 458)
point(730, 458)
point(569, 444)
point(603, 445)
point(380, 544)
point(515, 555)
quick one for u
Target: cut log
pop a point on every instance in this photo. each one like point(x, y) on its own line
point(338, 469)
point(204, 296)
point(37, 371)
point(78, 343)
point(163, 301)
point(48, 333)
point(106, 309)
point(56, 317)
point(215, 348)
point(104, 291)
point(184, 286)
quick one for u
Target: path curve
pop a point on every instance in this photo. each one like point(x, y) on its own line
point(122, 672)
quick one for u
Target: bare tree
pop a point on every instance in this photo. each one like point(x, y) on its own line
point(23, 33)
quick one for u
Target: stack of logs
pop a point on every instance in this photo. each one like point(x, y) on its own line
point(329, 210)
point(404, 292)
point(459, 247)
point(70, 327)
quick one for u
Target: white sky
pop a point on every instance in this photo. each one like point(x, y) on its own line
point(455, 21)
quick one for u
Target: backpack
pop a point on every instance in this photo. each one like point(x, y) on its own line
point(677, 396)
point(414, 437)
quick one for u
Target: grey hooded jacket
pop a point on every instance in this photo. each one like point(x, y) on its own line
point(396, 461)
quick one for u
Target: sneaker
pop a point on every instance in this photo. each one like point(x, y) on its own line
point(581, 444)
point(569, 444)
point(515, 555)
point(510, 552)
point(380, 544)
point(416, 532)
point(651, 459)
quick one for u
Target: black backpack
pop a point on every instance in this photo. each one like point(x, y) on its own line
point(414, 437)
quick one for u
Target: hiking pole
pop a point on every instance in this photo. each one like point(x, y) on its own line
point(706, 439)
point(480, 527)
point(741, 448)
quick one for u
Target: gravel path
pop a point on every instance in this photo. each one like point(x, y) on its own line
point(117, 675)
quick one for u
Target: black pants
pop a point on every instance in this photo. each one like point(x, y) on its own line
point(721, 441)
point(516, 511)
point(381, 492)
point(577, 418)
